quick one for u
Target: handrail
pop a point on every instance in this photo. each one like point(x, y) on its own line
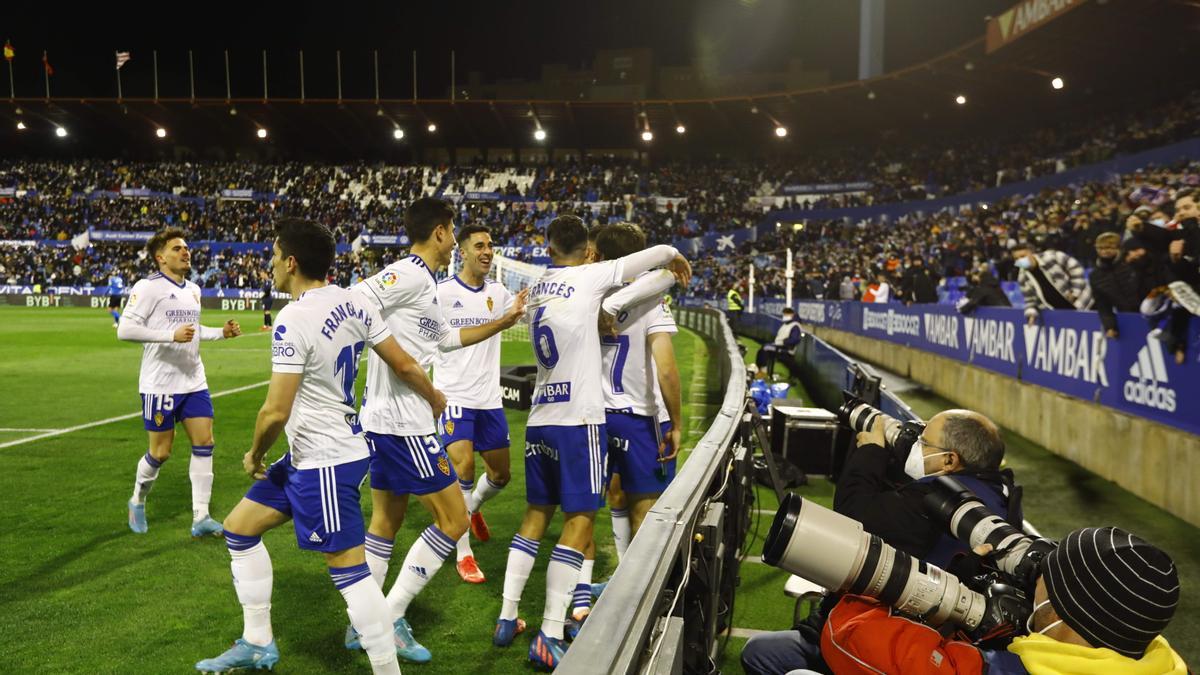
point(618, 630)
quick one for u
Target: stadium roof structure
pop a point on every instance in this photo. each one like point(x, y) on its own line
point(1112, 55)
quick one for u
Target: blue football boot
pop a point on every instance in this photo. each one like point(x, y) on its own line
point(507, 631)
point(137, 517)
point(242, 655)
point(407, 647)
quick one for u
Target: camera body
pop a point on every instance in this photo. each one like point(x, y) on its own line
point(898, 436)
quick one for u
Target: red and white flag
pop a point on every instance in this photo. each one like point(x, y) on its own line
point(122, 57)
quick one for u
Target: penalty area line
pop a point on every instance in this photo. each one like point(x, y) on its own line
point(118, 418)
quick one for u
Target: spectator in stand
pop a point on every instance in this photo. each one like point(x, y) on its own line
point(1050, 280)
point(1114, 282)
point(880, 291)
point(985, 291)
point(919, 284)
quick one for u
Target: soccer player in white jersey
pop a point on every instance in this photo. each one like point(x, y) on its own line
point(163, 312)
point(318, 340)
point(407, 454)
point(474, 419)
point(565, 443)
point(643, 407)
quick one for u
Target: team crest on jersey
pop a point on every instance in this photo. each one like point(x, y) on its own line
point(158, 419)
point(489, 303)
point(449, 427)
point(444, 465)
point(388, 279)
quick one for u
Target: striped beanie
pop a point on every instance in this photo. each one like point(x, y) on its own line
point(1112, 588)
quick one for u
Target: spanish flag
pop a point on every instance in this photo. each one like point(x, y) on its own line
point(8, 51)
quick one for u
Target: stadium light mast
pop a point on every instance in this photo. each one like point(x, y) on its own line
point(789, 274)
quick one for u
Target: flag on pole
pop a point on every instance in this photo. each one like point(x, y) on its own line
point(8, 51)
point(122, 57)
point(46, 63)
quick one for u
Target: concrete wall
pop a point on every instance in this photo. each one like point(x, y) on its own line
point(1154, 461)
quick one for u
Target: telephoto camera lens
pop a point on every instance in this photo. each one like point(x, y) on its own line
point(834, 551)
point(860, 416)
point(970, 521)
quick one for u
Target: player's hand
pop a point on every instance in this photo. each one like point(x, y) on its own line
point(185, 333)
point(254, 466)
point(682, 271)
point(872, 436)
point(606, 323)
point(518, 308)
point(438, 404)
point(668, 449)
point(231, 329)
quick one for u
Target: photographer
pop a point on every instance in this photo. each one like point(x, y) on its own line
point(1102, 599)
point(786, 339)
point(959, 442)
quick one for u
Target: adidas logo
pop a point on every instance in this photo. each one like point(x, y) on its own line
point(419, 571)
point(314, 538)
point(458, 304)
point(172, 296)
point(1148, 374)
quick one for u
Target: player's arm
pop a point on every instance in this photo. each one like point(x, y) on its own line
point(646, 287)
point(663, 353)
point(272, 416)
point(132, 326)
point(475, 334)
point(634, 264)
point(410, 372)
point(231, 329)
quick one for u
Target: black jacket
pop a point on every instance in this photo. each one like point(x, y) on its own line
point(895, 513)
point(920, 285)
point(987, 293)
point(1115, 288)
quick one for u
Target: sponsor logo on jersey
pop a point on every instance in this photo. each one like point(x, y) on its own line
point(314, 538)
point(443, 465)
point(1149, 379)
point(449, 427)
point(279, 331)
point(534, 449)
point(388, 279)
point(457, 304)
point(490, 303)
point(552, 392)
point(281, 347)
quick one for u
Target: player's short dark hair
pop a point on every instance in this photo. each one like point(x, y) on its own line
point(619, 240)
point(595, 230)
point(465, 232)
point(424, 215)
point(309, 242)
point(567, 234)
point(160, 239)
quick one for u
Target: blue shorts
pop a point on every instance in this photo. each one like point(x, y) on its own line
point(323, 503)
point(486, 429)
point(566, 466)
point(160, 412)
point(409, 465)
point(633, 448)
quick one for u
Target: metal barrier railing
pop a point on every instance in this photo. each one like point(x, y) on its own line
point(620, 634)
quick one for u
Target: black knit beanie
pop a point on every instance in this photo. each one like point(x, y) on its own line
point(1112, 588)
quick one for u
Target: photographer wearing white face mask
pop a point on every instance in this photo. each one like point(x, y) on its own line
point(883, 488)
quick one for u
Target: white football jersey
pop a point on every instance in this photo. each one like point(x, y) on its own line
point(470, 377)
point(405, 293)
point(630, 378)
point(322, 335)
point(157, 302)
point(563, 307)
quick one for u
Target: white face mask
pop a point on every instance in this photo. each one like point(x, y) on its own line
point(914, 465)
point(1029, 621)
point(1023, 262)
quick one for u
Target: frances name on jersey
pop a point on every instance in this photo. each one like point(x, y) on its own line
point(552, 392)
point(340, 313)
point(544, 288)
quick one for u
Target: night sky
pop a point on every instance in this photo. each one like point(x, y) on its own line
point(498, 39)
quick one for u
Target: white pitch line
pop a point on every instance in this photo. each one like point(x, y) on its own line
point(110, 420)
point(744, 632)
point(13, 429)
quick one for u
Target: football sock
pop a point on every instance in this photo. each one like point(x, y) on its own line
point(522, 554)
point(424, 559)
point(147, 471)
point(463, 545)
point(379, 554)
point(201, 472)
point(561, 574)
point(368, 612)
point(484, 491)
point(621, 531)
point(582, 600)
point(251, 567)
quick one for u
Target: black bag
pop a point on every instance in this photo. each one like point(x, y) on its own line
point(790, 476)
